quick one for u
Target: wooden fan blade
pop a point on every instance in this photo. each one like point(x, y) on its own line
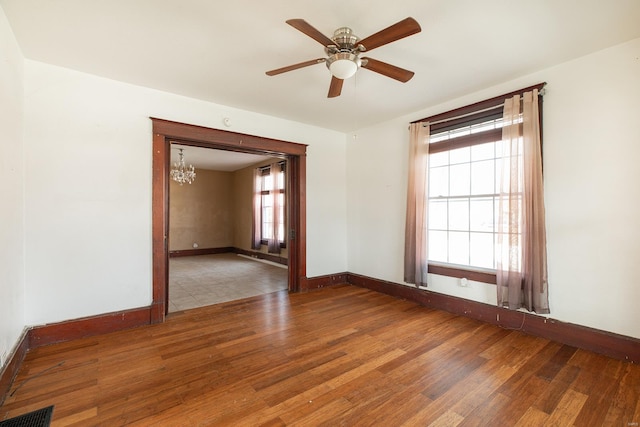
point(388, 70)
point(397, 31)
point(294, 67)
point(335, 88)
point(308, 29)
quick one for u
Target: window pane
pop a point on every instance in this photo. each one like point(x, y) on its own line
point(459, 247)
point(460, 155)
point(438, 246)
point(439, 159)
point(481, 250)
point(460, 180)
point(483, 151)
point(459, 214)
point(267, 200)
point(267, 183)
point(439, 181)
point(482, 177)
point(438, 214)
point(481, 214)
point(267, 215)
point(266, 228)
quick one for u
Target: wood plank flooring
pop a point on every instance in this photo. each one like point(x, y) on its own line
point(338, 356)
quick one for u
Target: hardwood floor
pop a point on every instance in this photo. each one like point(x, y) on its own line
point(337, 356)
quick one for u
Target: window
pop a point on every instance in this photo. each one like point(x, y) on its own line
point(269, 207)
point(270, 190)
point(459, 210)
point(461, 234)
point(463, 194)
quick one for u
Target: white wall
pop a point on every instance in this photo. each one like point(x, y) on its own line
point(592, 191)
point(11, 191)
point(88, 188)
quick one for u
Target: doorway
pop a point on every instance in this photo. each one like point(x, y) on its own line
point(164, 133)
point(212, 255)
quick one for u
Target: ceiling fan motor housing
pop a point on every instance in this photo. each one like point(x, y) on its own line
point(345, 39)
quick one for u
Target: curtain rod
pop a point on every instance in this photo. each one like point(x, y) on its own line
point(461, 116)
point(540, 93)
point(281, 162)
point(497, 102)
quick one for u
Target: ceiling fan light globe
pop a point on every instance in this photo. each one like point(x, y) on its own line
point(343, 65)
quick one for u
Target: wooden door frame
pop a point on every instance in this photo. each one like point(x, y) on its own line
point(164, 133)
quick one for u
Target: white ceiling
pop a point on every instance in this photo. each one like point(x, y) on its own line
point(219, 160)
point(219, 51)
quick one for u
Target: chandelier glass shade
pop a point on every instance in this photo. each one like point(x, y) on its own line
point(180, 173)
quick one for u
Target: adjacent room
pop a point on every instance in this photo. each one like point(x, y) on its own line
point(213, 257)
point(411, 213)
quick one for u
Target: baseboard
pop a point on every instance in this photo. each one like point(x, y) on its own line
point(9, 371)
point(324, 281)
point(602, 342)
point(229, 249)
point(88, 326)
point(261, 255)
point(200, 251)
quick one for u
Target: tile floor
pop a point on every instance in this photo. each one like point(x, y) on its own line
point(211, 279)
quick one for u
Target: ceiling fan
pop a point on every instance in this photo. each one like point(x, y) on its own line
point(344, 49)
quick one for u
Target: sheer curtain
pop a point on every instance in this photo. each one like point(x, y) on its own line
point(276, 204)
point(268, 204)
point(415, 237)
point(522, 254)
point(256, 229)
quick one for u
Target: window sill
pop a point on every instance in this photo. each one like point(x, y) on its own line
point(460, 272)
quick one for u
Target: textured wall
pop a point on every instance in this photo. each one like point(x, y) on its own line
point(201, 212)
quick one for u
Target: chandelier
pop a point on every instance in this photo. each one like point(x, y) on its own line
point(180, 173)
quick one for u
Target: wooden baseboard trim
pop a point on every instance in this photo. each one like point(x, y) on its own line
point(602, 342)
point(88, 326)
point(261, 255)
point(9, 371)
point(324, 281)
point(229, 249)
point(200, 251)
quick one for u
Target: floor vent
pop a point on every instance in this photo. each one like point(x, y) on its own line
point(39, 418)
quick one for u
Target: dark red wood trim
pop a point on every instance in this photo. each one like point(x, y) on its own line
point(197, 135)
point(160, 228)
point(88, 326)
point(301, 235)
point(200, 251)
point(487, 103)
point(10, 370)
point(478, 276)
point(607, 343)
point(324, 281)
point(261, 255)
point(164, 133)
